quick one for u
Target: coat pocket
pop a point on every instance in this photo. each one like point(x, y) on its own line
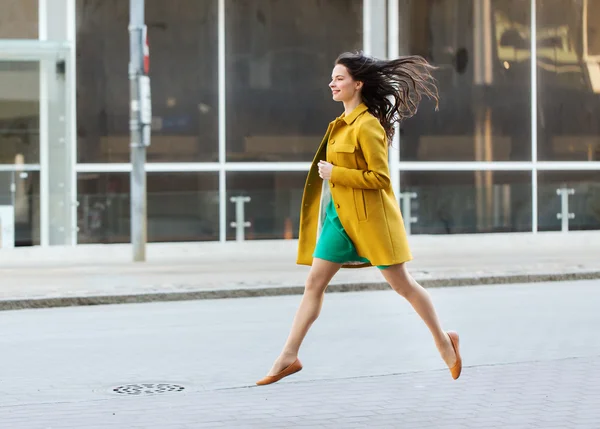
point(345, 155)
point(344, 148)
point(360, 204)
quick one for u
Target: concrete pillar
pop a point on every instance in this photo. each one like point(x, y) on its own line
point(376, 40)
point(375, 28)
point(57, 126)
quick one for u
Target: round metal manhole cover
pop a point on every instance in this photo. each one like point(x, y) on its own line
point(143, 389)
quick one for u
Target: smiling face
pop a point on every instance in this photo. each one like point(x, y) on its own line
point(343, 87)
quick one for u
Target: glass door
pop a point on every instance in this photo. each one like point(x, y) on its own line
point(36, 141)
point(19, 153)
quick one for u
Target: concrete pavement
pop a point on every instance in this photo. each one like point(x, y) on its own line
point(532, 360)
point(100, 274)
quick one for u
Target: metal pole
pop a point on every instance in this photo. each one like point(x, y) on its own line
point(409, 219)
point(138, 148)
point(564, 214)
point(240, 223)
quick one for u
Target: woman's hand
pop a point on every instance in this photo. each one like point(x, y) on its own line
point(325, 170)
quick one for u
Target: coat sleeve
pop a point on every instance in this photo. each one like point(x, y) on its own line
point(373, 143)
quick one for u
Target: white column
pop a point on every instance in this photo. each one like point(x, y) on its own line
point(44, 135)
point(393, 43)
point(380, 40)
point(534, 133)
point(71, 114)
point(222, 123)
point(57, 127)
point(374, 28)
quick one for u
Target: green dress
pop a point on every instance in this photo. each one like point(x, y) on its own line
point(333, 244)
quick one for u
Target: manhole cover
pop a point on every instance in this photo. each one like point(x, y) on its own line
point(148, 389)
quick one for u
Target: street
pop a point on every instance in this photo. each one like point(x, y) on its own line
point(531, 355)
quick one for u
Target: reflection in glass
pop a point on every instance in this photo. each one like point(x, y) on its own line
point(482, 49)
point(183, 70)
point(469, 202)
point(279, 60)
point(583, 199)
point(19, 19)
point(274, 207)
point(19, 112)
point(181, 207)
point(591, 13)
point(20, 190)
point(568, 44)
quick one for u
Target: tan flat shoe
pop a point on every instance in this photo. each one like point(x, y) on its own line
point(457, 368)
point(291, 369)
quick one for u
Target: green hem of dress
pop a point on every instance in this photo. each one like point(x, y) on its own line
point(334, 244)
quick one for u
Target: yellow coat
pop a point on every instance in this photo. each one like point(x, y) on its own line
point(361, 188)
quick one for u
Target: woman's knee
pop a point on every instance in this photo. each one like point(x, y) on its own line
point(403, 288)
point(320, 275)
point(315, 285)
point(400, 280)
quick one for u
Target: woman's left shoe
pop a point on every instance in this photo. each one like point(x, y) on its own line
point(457, 368)
point(291, 369)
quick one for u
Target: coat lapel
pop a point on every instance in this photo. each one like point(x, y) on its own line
point(322, 147)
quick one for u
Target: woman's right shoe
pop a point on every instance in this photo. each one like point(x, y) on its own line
point(457, 368)
point(291, 369)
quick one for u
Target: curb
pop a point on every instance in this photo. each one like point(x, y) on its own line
point(34, 303)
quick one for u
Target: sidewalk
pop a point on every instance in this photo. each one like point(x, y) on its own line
point(101, 274)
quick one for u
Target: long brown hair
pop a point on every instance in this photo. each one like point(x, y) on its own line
point(392, 89)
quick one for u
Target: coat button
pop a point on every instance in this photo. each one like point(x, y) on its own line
point(337, 205)
point(332, 185)
point(332, 142)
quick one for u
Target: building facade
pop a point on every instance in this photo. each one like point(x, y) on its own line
point(240, 103)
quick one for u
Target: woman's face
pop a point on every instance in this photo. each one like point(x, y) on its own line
point(343, 87)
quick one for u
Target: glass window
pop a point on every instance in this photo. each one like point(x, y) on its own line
point(468, 202)
point(483, 59)
point(182, 36)
point(19, 19)
point(583, 199)
point(181, 207)
point(21, 190)
point(593, 27)
point(274, 206)
point(19, 112)
point(568, 80)
point(279, 60)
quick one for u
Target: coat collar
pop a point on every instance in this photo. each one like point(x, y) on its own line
point(358, 110)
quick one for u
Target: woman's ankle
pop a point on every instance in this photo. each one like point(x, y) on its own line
point(287, 354)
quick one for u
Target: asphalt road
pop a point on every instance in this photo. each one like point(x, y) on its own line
point(531, 352)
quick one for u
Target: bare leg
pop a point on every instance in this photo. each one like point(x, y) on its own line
point(319, 277)
point(403, 283)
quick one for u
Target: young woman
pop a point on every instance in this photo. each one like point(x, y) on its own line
point(350, 216)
